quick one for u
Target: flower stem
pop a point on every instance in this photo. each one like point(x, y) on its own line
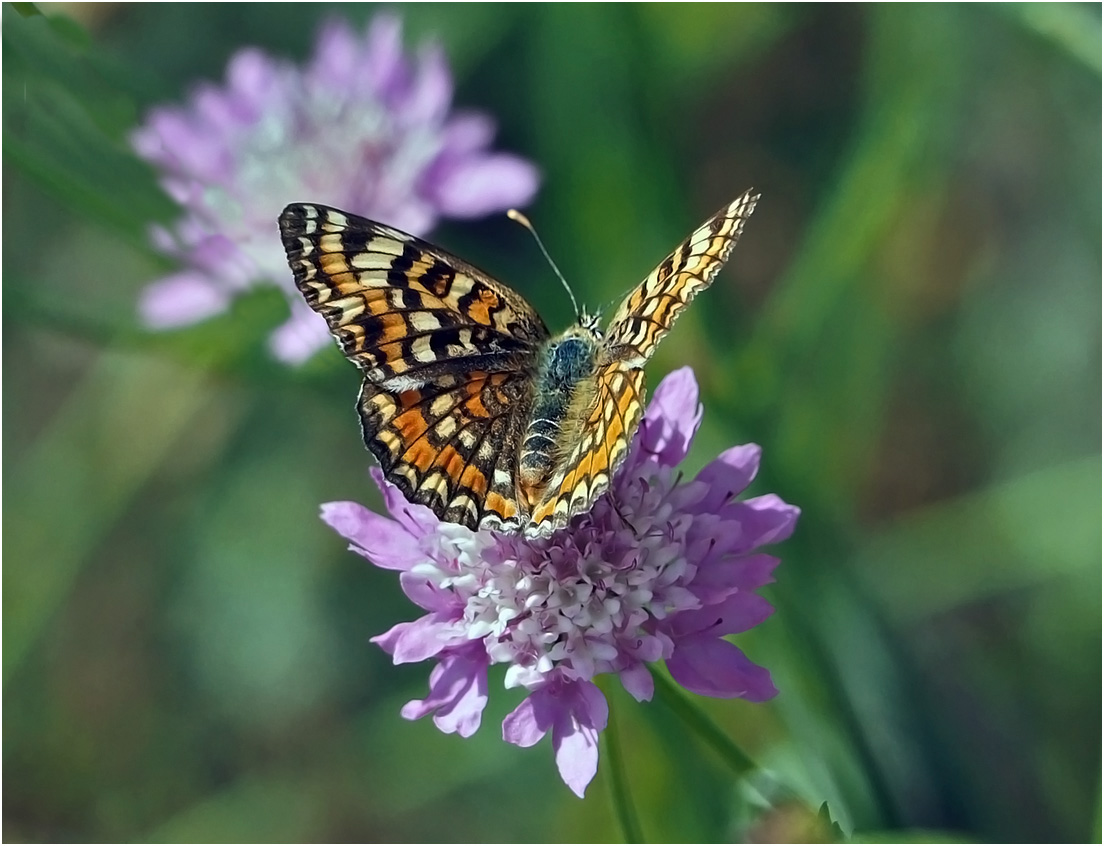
point(623, 807)
point(698, 722)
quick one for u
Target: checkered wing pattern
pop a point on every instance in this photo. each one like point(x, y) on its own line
point(447, 355)
point(648, 312)
point(604, 431)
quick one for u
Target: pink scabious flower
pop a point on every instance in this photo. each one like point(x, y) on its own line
point(359, 127)
point(658, 570)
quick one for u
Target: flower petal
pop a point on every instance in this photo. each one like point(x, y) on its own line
point(300, 336)
point(710, 666)
point(429, 595)
point(728, 474)
point(457, 693)
point(181, 299)
point(384, 542)
point(638, 682)
point(719, 577)
point(584, 715)
point(522, 727)
point(764, 519)
point(417, 519)
point(430, 94)
point(467, 132)
point(419, 639)
point(576, 756)
point(337, 56)
point(384, 64)
point(475, 186)
point(672, 417)
point(738, 612)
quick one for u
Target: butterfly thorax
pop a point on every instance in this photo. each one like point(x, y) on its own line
point(562, 388)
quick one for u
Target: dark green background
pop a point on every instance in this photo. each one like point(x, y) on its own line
point(910, 327)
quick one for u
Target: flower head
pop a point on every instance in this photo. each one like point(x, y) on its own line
point(658, 570)
point(360, 127)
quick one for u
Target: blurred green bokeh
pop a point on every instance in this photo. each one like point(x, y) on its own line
point(910, 327)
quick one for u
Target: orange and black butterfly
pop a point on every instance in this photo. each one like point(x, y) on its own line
point(470, 405)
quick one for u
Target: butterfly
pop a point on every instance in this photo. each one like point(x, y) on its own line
point(468, 402)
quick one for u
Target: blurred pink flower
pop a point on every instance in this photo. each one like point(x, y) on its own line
point(360, 127)
point(658, 570)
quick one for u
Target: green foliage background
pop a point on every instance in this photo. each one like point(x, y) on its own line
point(910, 327)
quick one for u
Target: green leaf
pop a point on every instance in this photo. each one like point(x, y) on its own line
point(65, 123)
point(1041, 527)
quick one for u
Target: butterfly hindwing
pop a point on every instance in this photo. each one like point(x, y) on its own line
point(451, 445)
point(599, 444)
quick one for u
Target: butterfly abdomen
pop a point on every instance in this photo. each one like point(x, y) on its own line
point(565, 367)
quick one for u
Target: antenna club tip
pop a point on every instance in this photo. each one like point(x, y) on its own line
point(518, 217)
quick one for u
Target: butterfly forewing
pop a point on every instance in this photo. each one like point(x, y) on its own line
point(648, 312)
point(401, 308)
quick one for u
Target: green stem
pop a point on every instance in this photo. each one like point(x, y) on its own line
point(623, 807)
point(699, 723)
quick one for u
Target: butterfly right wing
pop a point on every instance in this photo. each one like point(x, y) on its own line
point(605, 424)
point(446, 351)
point(646, 315)
point(605, 428)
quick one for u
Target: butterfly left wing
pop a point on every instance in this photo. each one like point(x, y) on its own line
point(403, 310)
point(446, 351)
point(648, 312)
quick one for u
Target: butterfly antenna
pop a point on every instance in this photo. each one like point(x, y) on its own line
point(518, 217)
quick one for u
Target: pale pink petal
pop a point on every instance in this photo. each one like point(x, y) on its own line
point(468, 132)
point(521, 726)
point(457, 693)
point(337, 56)
point(252, 77)
point(384, 542)
point(638, 682)
point(384, 64)
point(477, 186)
point(423, 638)
point(426, 594)
point(300, 337)
point(181, 299)
point(417, 519)
point(576, 756)
point(430, 94)
point(583, 715)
